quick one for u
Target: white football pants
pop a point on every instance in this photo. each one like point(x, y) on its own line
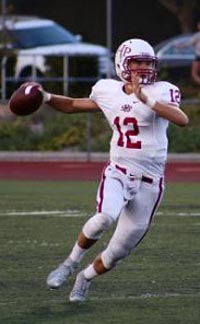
point(133, 199)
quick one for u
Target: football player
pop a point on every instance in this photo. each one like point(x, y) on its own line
point(138, 109)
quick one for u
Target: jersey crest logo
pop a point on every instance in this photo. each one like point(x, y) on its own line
point(126, 108)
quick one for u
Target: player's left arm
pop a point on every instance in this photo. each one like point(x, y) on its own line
point(168, 109)
point(172, 113)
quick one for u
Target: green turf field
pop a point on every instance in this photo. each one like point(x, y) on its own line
point(159, 283)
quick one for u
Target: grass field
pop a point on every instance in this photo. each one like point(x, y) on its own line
point(158, 283)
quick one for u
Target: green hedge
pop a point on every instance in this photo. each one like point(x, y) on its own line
point(49, 130)
point(186, 139)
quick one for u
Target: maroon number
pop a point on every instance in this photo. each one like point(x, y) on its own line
point(120, 141)
point(175, 96)
point(132, 132)
point(129, 143)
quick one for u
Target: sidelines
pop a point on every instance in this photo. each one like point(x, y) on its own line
point(78, 213)
point(72, 156)
point(183, 171)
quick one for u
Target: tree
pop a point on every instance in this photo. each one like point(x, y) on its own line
point(184, 11)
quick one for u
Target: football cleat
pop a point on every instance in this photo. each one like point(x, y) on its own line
point(80, 289)
point(58, 277)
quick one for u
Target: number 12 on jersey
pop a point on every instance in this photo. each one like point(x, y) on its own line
point(127, 139)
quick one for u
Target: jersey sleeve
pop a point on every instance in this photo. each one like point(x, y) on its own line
point(102, 93)
point(169, 94)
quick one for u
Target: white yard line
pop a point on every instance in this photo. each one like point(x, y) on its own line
point(116, 297)
point(48, 213)
point(78, 213)
point(145, 296)
point(178, 214)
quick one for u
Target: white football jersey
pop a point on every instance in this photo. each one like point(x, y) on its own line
point(139, 139)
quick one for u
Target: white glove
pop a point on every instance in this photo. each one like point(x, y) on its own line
point(46, 96)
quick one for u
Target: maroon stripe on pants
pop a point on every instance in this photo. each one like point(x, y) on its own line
point(101, 194)
point(153, 210)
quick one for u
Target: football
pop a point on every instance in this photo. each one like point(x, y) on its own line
point(26, 99)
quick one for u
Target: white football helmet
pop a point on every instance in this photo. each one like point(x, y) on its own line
point(136, 49)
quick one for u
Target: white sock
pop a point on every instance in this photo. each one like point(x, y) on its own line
point(90, 272)
point(76, 254)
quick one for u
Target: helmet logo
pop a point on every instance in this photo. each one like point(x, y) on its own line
point(124, 50)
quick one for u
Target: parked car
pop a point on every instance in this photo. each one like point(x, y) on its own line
point(171, 55)
point(33, 39)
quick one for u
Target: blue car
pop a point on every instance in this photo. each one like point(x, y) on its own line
point(171, 54)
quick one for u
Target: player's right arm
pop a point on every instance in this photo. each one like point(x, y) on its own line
point(66, 104)
point(100, 97)
point(70, 105)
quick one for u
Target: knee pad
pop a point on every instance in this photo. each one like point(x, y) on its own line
point(96, 225)
point(120, 247)
point(112, 256)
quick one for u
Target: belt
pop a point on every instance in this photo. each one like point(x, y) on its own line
point(124, 170)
